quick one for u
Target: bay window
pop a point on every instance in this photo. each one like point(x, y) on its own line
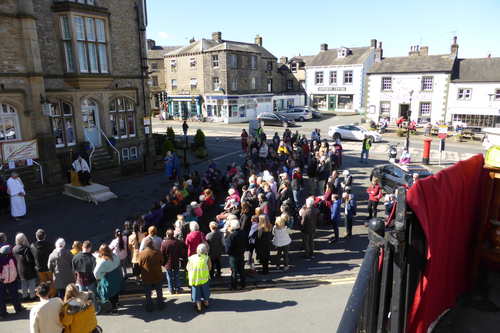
point(88, 36)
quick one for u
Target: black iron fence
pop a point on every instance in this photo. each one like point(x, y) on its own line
point(394, 260)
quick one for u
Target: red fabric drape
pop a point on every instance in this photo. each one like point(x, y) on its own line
point(447, 206)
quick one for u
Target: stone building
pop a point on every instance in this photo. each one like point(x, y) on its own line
point(156, 71)
point(221, 80)
point(72, 77)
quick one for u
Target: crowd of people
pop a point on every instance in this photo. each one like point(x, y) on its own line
point(245, 211)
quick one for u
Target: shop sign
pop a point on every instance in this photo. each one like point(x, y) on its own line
point(443, 131)
point(331, 88)
point(20, 150)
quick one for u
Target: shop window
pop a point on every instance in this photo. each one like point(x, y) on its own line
point(209, 110)
point(233, 111)
point(9, 123)
point(345, 102)
point(176, 109)
point(122, 115)
point(477, 120)
point(243, 111)
point(194, 110)
point(62, 123)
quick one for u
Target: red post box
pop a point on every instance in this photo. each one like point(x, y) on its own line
point(427, 151)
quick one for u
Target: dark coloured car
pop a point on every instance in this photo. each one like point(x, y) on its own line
point(393, 176)
point(273, 119)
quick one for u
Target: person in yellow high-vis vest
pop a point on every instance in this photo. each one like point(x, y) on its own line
point(198, 268)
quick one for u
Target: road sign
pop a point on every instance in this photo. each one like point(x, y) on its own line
point(443, 131)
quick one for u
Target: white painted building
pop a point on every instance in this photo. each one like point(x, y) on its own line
point(287, 101)
point(335, 78)
point(236, 108)
point(415, 86)
point(474, 93)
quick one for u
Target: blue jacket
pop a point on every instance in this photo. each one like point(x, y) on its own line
point(351, 208)
point(335, 210)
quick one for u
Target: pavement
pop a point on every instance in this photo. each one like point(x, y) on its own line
point(316, 307)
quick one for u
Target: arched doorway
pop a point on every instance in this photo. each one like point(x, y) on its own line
point(90, 120)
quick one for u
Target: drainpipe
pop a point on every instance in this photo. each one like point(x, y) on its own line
point(140, 29)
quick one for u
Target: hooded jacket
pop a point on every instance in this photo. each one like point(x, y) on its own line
point(78, 315)
point(41, 251)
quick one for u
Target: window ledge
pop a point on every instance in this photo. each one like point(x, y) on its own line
point(67, 6)
point(90, 81)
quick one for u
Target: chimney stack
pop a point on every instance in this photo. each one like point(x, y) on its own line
point(424, 51)
point(489, 55)
point(258, 40)
point(323, 47)
point(379, 53)
point(151, 44)
point(283, 60)
point(217, 36)
point(454, 47)
point(413, 51)
point(192, 40)
point(373, 43)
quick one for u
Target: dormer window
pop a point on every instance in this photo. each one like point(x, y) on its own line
point(343, 52)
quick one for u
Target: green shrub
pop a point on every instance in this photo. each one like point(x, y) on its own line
point(200, 152)
point(401, 132)
point(199, 139)
point(170, 134)
point(168, 146)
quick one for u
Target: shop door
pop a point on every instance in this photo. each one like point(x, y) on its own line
point(332, 102)
point(403, 110)
point(90, 120)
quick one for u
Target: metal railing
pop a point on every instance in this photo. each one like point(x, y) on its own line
point(111, 145)
point(384, 291)
point(91, 155)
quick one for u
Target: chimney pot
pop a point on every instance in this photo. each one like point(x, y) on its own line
point(258, 40)
point(323, 47)
point(217, 36)
point(454, 47)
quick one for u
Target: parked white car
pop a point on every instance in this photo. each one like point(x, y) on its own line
point(352, 132)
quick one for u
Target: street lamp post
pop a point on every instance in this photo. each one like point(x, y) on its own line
point(408, 124)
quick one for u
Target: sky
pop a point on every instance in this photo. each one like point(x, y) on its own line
point(294, 27)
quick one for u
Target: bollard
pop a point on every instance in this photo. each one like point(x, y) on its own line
point(427, 151)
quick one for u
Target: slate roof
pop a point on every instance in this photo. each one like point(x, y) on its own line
point(208, 45)
point(329, 57)
point(414, 64)
point(305, 59)
point(477, 70)
point(159, 51)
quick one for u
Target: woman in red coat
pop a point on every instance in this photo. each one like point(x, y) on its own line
point(194, 238)
point(374, 195)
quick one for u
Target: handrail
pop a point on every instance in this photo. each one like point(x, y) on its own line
point(92, 152)
point(112, 146)
point(41, 170)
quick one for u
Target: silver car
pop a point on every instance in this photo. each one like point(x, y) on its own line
point(297, 113)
